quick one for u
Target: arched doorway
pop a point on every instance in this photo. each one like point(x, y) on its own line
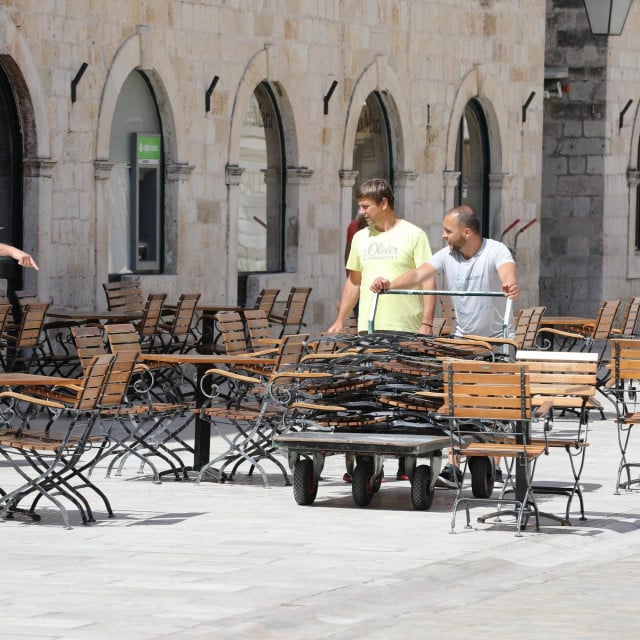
point(11, 152)
point(473, 163)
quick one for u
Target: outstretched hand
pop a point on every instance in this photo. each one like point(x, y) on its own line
point(21, 257)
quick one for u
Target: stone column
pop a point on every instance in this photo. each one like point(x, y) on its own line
point(450, 180)
point(177, 173)
point(102, 174)
point(233, 177)
point(347, 181)
point(498, 182)
point(633, 263)
point(37, 206)
point(405, 181)
point(298, 179)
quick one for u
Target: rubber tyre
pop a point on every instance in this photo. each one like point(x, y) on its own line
point(482, 477)
point(305, 488)
point(378, 483)
point(421, 489)
point(361, 487)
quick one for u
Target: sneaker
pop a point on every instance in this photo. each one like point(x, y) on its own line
point(499, 479)
point(347, 477)
point(449, 477)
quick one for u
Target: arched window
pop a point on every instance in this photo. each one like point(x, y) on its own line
point(372, 148)
point(10, 181)
point(136, 184)
point(260, 223)
point(473, 162)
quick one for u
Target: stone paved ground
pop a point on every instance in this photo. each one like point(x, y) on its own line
point(237, 560)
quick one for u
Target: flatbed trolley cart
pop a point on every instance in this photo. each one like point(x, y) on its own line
point(307, 450)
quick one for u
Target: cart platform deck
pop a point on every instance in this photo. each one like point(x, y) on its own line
point(391, 444)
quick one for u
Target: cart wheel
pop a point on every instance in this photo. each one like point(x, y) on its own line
point(482, 477)
point(421, 489)
point(378, 483)
point(305, 488)
point(361, 486)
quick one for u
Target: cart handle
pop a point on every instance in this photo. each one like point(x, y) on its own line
point(513, 224)
point(526, 226)
point(430, 292)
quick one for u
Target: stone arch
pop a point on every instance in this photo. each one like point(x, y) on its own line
point(140, 52)
point(30, 95)
point(260, 69)
point(635, 141)
point(264, 66)
point(379, 76)
point(479, 84)
point(31, 102)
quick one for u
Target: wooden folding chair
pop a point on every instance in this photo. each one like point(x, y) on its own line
point(568, 382)
point(588, 337)
point(526, 328)
point(627, 327)
point(266, 299)
point(177, 334)
point(149, 323)
point(125, 295)
point(445, 325)
point(258, 329)
point(155, 400)
point(25, 346)
point(488, 408)
point(623, 388)
point(52, 458)
point(294, 309)
point(89, 343)
point(5, 318)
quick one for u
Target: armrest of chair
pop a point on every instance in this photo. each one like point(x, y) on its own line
point(43, 402)
point(233, 376)
point(543, 409)
point(560, 332)
point(312, 406)
point(263, 352)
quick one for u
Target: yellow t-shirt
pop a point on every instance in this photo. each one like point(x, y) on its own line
point(389, 254)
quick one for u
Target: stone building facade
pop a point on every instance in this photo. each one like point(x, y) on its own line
point(590, 246)
point(308, 69)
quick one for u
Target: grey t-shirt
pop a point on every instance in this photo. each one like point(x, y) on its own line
point(483, 316)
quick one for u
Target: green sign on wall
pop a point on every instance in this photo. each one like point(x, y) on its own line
point(148, 149)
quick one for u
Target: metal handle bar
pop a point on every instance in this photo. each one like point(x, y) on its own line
point(430, 292)
point(526, 226)
point(513, 224)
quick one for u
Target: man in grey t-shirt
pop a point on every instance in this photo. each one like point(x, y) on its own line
point(469, 263)
point(482, 268)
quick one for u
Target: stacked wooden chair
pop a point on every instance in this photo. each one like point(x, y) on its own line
point(247, 422)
